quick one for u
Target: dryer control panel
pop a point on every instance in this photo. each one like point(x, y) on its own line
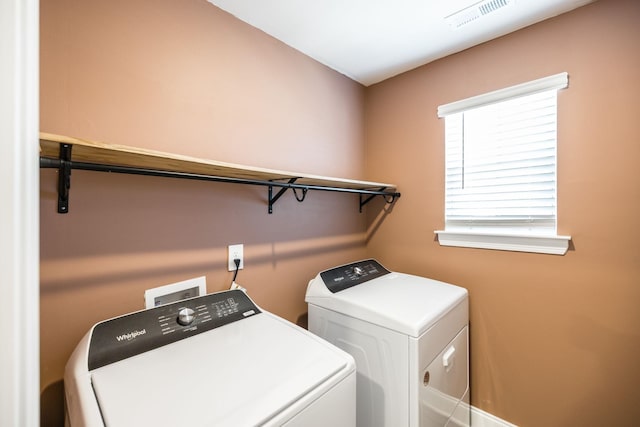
point(126, 336)
point(346, 276)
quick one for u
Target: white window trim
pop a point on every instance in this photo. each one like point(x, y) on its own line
point(557, 81)
point(545, 244)
point(553, 245)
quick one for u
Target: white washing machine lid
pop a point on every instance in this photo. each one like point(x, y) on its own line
point(401, 302)
point(244, 373)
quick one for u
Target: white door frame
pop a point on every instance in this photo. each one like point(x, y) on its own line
point(19, 214)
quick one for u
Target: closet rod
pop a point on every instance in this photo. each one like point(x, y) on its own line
point(67, 165)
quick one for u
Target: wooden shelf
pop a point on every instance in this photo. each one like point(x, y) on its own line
point(66, 153)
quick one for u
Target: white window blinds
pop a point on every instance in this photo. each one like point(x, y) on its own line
point(501, 159)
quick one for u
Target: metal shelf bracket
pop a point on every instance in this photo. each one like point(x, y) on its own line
point(273, 199)
point(64, 178)
point(389, 198)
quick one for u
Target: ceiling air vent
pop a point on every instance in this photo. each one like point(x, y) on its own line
point(478, 10)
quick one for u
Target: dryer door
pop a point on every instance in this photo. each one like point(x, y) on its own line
point(445, 385)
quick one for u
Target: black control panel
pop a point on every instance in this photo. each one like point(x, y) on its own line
point(344, 277)
point(136, 333)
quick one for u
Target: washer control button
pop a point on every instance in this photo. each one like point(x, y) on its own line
point(186, 316)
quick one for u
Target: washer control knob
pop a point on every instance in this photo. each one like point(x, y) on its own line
point(186, 316)
point(358, 271)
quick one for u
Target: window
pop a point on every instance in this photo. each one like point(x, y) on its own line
point(501, 169)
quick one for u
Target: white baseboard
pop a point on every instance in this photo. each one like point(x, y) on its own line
point(480, 418)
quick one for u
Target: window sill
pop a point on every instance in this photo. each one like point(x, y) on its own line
point(554, 245)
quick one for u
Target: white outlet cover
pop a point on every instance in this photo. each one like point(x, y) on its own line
point(175, 292)
point(235, 250)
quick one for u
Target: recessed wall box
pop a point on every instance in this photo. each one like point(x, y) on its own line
point(175, 292)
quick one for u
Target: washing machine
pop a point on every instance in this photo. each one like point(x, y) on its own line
point(214, 360)
point(409, 338)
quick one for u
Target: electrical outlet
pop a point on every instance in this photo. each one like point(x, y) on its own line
point(236, 252)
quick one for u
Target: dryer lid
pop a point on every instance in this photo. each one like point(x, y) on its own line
point(401, 302)
point(244, 373)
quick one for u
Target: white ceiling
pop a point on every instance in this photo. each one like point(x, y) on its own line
point(372, 40)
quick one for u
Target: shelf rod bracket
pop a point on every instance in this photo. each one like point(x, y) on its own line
point(388, 198)
point(64, 178)
point(283, 189)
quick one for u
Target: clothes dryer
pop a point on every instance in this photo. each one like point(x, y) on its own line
point(409, 337)
point(214, 360)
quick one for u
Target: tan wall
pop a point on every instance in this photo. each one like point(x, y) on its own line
point(555, 340)
point(182, 76)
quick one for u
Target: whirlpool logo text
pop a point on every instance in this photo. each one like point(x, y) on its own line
point(131, 335)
